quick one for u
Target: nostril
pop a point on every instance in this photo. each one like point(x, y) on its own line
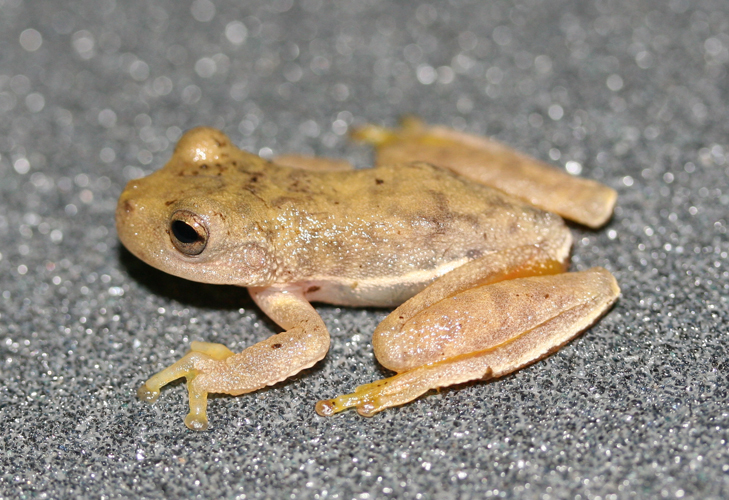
point(128, 206)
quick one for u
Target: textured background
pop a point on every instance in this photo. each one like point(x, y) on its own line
point(94, 93)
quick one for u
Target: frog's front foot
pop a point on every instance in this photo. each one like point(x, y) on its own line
point(192, 364)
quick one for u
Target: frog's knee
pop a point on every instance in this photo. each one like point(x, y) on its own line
point(436, 333)
point(389, 351)
point(202, 144)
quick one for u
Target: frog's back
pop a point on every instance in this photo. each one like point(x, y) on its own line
point(397, 226)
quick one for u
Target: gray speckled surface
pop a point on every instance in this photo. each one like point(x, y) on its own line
point(93, 93)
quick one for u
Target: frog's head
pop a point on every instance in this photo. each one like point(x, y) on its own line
point(186, 219)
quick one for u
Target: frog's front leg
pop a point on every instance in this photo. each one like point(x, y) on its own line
point(487, 331)
point(213, 368)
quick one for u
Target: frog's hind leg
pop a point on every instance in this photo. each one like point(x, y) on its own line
point(528, 260)
point(494, 164)
point(506, 326)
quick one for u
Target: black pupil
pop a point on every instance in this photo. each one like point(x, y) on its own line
point(184, 232)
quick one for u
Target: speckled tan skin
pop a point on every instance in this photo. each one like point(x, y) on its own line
point(484, 270)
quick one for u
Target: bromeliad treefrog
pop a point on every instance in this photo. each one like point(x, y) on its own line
point(477, 271)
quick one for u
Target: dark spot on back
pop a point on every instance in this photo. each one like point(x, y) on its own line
point(441, 200)
point(379, 181)
point(203, 166)
point(470, 219)
point(474, 254)
point(276, 346)
point(300, 182)
point(439, 218)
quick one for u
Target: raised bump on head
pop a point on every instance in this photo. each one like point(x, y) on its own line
point(202, 144)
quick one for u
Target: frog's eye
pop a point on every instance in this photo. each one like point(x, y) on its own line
point(188, 232)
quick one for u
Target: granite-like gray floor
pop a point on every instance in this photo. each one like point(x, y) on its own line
point(94, 93)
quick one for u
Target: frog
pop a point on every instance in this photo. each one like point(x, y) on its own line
point(462, 235)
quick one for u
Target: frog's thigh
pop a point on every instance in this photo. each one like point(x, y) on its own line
point(485, 332)
point(491, 316)
point(528, 260)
